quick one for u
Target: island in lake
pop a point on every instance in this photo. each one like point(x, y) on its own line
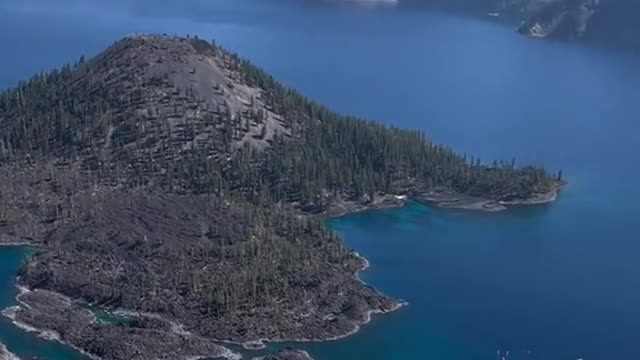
point(177, 194)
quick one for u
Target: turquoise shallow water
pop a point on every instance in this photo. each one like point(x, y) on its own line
point(557, 282)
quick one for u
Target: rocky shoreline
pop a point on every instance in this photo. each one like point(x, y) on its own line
point(321, 304)
point(6, 355)
point(442, 198)
point(261, 343)
point(289, 354)
point(450, 200)
point(344, 207)
point(55, 317)
point(15, 244)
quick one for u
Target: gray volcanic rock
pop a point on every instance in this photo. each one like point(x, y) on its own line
point(5, 354)
point(568, 19)
point(58, 318)
point(287, 355)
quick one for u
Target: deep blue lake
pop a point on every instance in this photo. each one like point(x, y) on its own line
point(558, 282)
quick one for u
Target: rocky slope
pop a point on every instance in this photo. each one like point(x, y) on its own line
point(56, 317)
point(207, 264)
point(286, 355)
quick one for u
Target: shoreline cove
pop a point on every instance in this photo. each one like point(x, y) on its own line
point(472, 203)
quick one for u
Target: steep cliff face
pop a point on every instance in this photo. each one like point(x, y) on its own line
point(567, 19)
point(608, 22)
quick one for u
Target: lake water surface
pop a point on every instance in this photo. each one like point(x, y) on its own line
point(558, 282)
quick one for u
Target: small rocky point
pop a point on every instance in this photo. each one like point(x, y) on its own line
point(286, 355)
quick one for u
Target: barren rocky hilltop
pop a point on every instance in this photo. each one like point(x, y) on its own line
point(176, 193)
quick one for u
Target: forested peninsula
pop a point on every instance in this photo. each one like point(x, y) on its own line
point(181, 190)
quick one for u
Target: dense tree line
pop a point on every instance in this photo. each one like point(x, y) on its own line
point(342, 155)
